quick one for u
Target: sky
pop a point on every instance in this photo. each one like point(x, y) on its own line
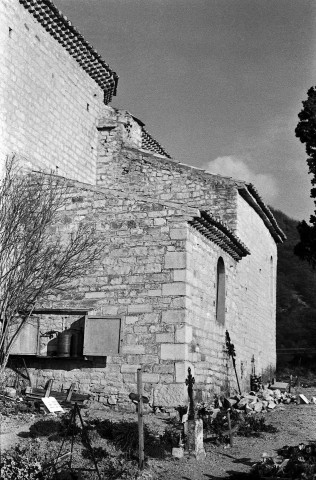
point(219, 83)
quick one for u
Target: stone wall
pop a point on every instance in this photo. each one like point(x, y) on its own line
point(50, 106)
point(249, 307)
point(256, 274)
point(122, 163)
point(159, 275)
point(140, 279)
point(211, 366)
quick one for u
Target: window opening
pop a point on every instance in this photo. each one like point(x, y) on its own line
point(220, 292)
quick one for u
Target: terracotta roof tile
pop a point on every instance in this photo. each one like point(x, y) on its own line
point(60, 28)
point(218, 232)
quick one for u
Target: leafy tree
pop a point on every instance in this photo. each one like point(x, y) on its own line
point(37, 257)
point(306, 132)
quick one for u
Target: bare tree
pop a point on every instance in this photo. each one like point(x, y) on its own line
point(37, 257)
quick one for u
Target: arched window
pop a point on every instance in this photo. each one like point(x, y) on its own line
point(271, 280)
point(220, 292)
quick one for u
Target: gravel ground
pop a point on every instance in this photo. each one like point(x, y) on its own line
point(295, 423)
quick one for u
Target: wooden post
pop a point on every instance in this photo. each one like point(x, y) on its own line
point(230, 429)
point(49, 387)
point(70, 392)
point(140, 418)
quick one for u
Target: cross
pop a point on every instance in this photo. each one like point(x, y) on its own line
point(190, 381)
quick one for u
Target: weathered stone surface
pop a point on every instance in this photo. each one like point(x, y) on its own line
point(174, 351)
point(184, 334)
point(258, 407)
point(277, 393)
point(150, 377)
point(230, 402)
point(171, 395)
point(138, 349)
point(126, 368)
point(174, 289)
point(140, 308)
point(195, 439)
point(181, 369)
point(173, 316)
point(131, 319)
point(165, 337)
point(242, 403)
point(175, 260)
point(248, 409)
point(177, 452)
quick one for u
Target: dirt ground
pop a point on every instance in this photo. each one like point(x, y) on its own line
point(295, 423)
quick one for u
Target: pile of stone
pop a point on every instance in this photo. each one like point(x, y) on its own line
point(257, 402)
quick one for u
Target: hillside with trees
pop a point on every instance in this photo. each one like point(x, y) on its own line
point(296, 299)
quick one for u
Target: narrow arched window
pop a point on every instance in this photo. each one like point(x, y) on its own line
point(271, 280)
point(220, 292)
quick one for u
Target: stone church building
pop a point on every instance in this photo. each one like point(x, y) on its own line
point(187, 254)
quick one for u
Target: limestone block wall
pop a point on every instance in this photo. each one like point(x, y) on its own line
point(49, 105)
point(207, 350)
point(249, 306)
point(141, 279)
point(255, 299)
point(159, 275)
point(122, 163)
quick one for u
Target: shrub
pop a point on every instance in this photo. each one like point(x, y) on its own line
point(253, 426)
point(243, 425)
point(21, 463)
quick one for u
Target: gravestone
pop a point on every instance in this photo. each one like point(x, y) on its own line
point(193, 427)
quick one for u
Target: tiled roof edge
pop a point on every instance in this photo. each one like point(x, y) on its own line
point(251, 195)
point(149, 143)
point(60, 28)
point(219, 233)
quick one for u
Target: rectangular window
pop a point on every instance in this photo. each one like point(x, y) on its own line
point(102, 336)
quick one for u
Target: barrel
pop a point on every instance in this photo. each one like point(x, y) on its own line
point(64, 344)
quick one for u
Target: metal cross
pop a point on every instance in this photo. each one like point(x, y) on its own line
point(190, 381)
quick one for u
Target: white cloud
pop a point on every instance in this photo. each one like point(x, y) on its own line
point(237, 168)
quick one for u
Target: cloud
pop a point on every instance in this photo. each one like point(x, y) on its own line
point(237, 168)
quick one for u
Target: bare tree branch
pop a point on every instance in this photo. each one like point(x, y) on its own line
point(37, 258)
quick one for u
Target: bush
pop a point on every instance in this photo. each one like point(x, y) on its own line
point(242, 425)
point(253, 426)
point(21, 463)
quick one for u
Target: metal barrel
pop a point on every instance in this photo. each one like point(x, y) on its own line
point(64, 344)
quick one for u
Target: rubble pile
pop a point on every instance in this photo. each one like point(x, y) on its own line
point(244, 410)
point(257, 402)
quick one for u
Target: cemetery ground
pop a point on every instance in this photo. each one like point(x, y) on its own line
point(37, 437)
